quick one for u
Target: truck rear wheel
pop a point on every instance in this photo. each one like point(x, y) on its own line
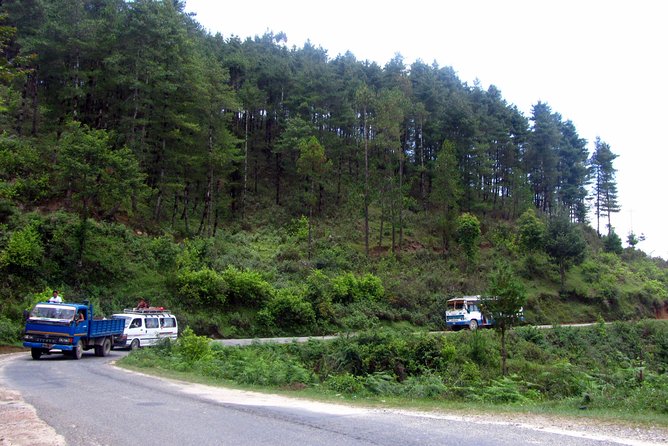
point(36, 353)
point(105, 348)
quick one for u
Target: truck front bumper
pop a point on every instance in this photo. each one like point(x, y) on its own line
point(48, 346)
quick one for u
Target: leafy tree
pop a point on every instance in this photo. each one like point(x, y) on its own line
point(531, 232)
point(98, 179)
point(468, 235)
point(504, 301)
point(565, 244)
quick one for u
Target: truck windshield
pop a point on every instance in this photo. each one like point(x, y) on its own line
point(56, 313)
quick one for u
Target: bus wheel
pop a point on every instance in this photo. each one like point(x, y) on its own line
point(473, 325)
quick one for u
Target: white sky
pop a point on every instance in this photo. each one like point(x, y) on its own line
point(601, 64)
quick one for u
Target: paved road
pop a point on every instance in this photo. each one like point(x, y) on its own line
point(91, 402)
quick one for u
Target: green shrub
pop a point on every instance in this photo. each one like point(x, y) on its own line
point(348, 288)
point(204, 287)
point(247, 288)
point(24, 249)
point(509, 389)
point(10, 331)
point(428, 386)
point(345, 383)
point(288, 312)
point(192, 348)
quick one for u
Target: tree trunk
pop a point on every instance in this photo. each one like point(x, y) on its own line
point(401, 199)
point(245, 185)
point(278, 179)
point(310, 220)
point(158, 203)
point(504, 353)
point(366, 186)
point(205, 221)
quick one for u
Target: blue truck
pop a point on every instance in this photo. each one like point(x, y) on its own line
point(69, 328)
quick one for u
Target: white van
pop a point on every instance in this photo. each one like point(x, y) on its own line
point(145, 327)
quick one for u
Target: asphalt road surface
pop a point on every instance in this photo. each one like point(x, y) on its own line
point(92, 402)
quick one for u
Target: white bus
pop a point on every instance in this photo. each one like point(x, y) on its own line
point(464, 312)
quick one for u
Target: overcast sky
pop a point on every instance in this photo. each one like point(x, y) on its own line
point(601, 64)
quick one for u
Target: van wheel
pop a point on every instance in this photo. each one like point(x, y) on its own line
point(134, 345)
point(36, 353)
point(473, 325)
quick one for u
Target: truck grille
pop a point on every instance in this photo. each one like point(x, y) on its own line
point(47, 339)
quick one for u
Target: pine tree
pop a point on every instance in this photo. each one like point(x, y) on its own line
point(605, 184)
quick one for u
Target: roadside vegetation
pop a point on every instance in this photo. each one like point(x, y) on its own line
point(613, 370)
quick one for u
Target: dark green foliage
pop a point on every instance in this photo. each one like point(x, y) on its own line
point(612, 242)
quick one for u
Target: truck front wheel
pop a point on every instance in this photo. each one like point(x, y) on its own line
point(36, 353)
point(473, 325)
point(78, 351)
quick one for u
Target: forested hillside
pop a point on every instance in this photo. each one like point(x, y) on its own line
point(260, 188)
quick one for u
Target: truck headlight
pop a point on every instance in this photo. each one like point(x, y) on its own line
point(64, 340)
point(29, 337)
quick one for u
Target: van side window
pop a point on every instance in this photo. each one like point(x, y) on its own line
point(152, 322)
point(135, 323)
point(167, 322)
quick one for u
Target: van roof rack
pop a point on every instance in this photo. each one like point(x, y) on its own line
point(150, 310)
